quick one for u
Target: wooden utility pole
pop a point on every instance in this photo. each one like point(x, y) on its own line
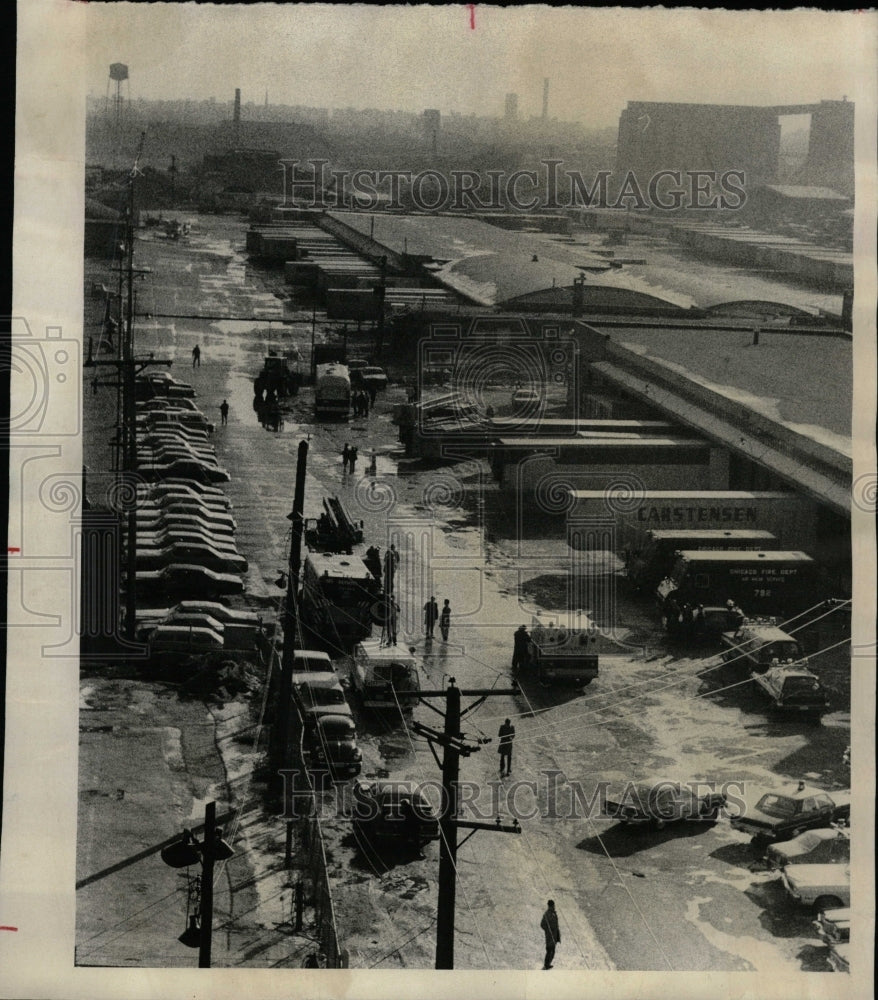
point(129, 422)
point(454, 748)
point(208, 848)
point(291, 610)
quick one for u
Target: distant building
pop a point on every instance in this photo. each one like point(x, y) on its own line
point(656, 136)
point(511, 107)
point(432, 125)
point(830, 160)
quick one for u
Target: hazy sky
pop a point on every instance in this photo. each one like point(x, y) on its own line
point(416, 57)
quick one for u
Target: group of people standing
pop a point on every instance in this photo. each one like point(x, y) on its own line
point(432, 614)
point(361, 401)
point(349, 457)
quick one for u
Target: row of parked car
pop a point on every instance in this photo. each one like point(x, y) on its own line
point(185, 528)
point(800, 831)
point(383, 812)
point(200, 627)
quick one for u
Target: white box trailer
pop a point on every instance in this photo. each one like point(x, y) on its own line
point(790, 517)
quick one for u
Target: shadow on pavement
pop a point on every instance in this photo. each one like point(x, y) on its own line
point(621, 841)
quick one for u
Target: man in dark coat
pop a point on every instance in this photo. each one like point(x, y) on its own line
point(431, 613)
point(549, 924)
point(519, 652)
point(507, 734)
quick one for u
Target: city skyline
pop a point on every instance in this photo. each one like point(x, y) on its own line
point(596, 60)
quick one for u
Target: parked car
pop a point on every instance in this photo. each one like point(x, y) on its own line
point(192, 553)
point(185, 639)
point(194, 486)
point(823, 887)
point(154, 510)
point(165, 403)
point(183, 521)
point(181, 578)
point(210, 496)
point(379, 808)
point(147, 627)
point(165, 536)
point(321, 695)
point(661, 802)
point(151, 384)
point(834, 926)
point(792, 690)
point(372, 375)
point(830, 845)
point(182, 466)
point(785, 813)
point(331, 742)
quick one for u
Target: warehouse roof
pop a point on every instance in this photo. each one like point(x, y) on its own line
point(483, 262)
point(798, 380)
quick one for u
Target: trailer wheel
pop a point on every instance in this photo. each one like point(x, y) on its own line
point(587, 681)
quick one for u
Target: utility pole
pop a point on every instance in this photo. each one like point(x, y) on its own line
point(454, 747)
point(128, 367)
point(380, 290)
point(208, 853)
point(448, 835)
point(130, 419)
point(291, 615)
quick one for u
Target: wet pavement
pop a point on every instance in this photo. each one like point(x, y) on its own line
point(685, 898)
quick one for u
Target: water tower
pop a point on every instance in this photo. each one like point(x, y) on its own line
point(119, 73)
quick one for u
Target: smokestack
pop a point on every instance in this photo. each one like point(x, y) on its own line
point(237, 115)
point(545, 98)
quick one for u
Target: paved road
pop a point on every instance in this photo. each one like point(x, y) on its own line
point(682, 899)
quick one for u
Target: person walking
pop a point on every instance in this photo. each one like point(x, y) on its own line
point(224, 412)
point(507, 734)
point(373, 392)
point(352, 459)
point(345, 457)
point(366, 404)
point(549, 924)
point(445, 620)
point(520, 655)
point(431, 613)
point(196, 356)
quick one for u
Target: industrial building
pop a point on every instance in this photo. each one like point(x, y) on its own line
point(656, 136)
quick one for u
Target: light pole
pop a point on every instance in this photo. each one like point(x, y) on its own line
point(189, 851)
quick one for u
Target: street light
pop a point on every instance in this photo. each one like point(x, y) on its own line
point(186, 852)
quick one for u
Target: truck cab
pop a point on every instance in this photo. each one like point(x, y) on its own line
point(561, 655)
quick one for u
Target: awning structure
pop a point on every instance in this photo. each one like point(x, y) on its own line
point(833, 491)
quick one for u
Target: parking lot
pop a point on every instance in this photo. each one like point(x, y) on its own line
point(691, 897)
